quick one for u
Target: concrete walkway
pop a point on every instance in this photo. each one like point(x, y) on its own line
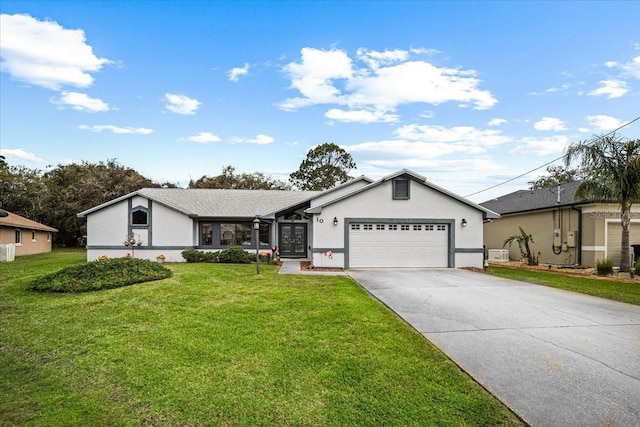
point(293, 267)
point(556, 358)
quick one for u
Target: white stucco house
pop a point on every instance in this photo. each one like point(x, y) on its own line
point(401, 220)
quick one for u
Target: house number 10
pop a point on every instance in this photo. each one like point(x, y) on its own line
point(320, 220)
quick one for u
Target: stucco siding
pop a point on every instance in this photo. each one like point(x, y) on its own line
point(29, 246)
point(542, 227)
point(171, 228)
point(377, 203)
point(108, 226)
point(322, 198)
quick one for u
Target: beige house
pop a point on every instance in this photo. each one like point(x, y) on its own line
point(29, 237)
point(565, 232)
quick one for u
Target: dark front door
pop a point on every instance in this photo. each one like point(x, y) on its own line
point(293, 240)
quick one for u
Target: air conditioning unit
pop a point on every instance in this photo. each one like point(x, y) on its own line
point(7, 252)
point(499, 255)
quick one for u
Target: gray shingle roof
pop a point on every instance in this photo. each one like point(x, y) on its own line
point(532, 200)
point(218, 203)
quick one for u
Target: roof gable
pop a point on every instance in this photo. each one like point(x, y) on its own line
point(405, 173)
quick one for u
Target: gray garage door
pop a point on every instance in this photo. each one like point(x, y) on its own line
point(398, 245)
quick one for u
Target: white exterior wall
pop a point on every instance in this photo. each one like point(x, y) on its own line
point(323, 198)
point(377, 203)
point(170, 232)
point(108, 226)
point(171, 228)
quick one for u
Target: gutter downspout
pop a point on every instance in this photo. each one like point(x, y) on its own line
point(579, 244)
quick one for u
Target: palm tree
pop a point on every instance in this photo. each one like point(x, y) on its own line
point(612, 167)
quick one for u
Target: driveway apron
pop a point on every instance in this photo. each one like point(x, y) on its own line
point(556, 358)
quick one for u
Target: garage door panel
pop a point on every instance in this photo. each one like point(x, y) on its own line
point(398, 245)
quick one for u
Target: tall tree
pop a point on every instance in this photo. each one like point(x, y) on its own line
point(612, 168)
point(229, 179)
point(325, 166)
point(21, 190)
point(557, 175)
point(76, 187)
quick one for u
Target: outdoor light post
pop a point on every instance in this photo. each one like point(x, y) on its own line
point(256, 226)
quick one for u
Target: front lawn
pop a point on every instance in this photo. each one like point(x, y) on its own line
point(610, 289)
point(216, 345)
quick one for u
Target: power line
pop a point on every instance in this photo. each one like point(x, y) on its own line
point(546, 164)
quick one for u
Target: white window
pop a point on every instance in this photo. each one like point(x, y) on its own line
point(33, 235)
point(428, 227)
point(18, 236)
point(417, 227)
point(442, 228)
point(379, 226)
point(49, 236)
point(355, 226)
point(367, 227)
point(405, 227)
point(393, 227)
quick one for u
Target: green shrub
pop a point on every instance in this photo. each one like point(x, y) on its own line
point(637, 267)
point(193, 255)
point(236, 255)
point(604, 267)
point(232, 255)
point(100, 274)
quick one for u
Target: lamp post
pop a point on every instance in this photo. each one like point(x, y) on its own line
point(256, 227)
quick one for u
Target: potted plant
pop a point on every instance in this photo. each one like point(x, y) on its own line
point(160, 259)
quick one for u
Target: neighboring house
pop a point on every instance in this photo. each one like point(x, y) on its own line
point(29, 237)
point(401, 220)
point(565, 231)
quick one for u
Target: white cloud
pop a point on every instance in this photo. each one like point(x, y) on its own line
point(181, 104)
point(20, 154)
point(116, 129)
point(611, 88)
point(549, 123)
point(360, 116)
point(542, 146)
point(602, 122)
point(45, 54)
point(235, 73)
point(379, 81)
point(81, 102)
point(260, 139)
point(497, 121)
point(204, 137)
point(376, 59)
point(467, 136)
point(313, 77)
point(632, 68)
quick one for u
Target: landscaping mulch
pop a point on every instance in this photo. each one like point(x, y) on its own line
point(577, 271)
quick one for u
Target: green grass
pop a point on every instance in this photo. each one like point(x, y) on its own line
point(217, 345)
point(614, 290)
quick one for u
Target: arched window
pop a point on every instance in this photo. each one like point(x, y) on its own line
point(139, 217)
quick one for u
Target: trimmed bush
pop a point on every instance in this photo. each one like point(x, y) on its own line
point(638, 266)
point(232, 255)
point(236, 255)
point(193, 255)
point(101, 274)
point(604, 267)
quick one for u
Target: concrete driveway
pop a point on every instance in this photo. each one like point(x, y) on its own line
point(556, 358)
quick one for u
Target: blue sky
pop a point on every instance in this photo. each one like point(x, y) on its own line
point(468, 94)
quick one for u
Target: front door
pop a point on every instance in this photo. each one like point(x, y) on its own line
point(293, 240)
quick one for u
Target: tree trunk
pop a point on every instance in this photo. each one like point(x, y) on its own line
point(625, 221)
